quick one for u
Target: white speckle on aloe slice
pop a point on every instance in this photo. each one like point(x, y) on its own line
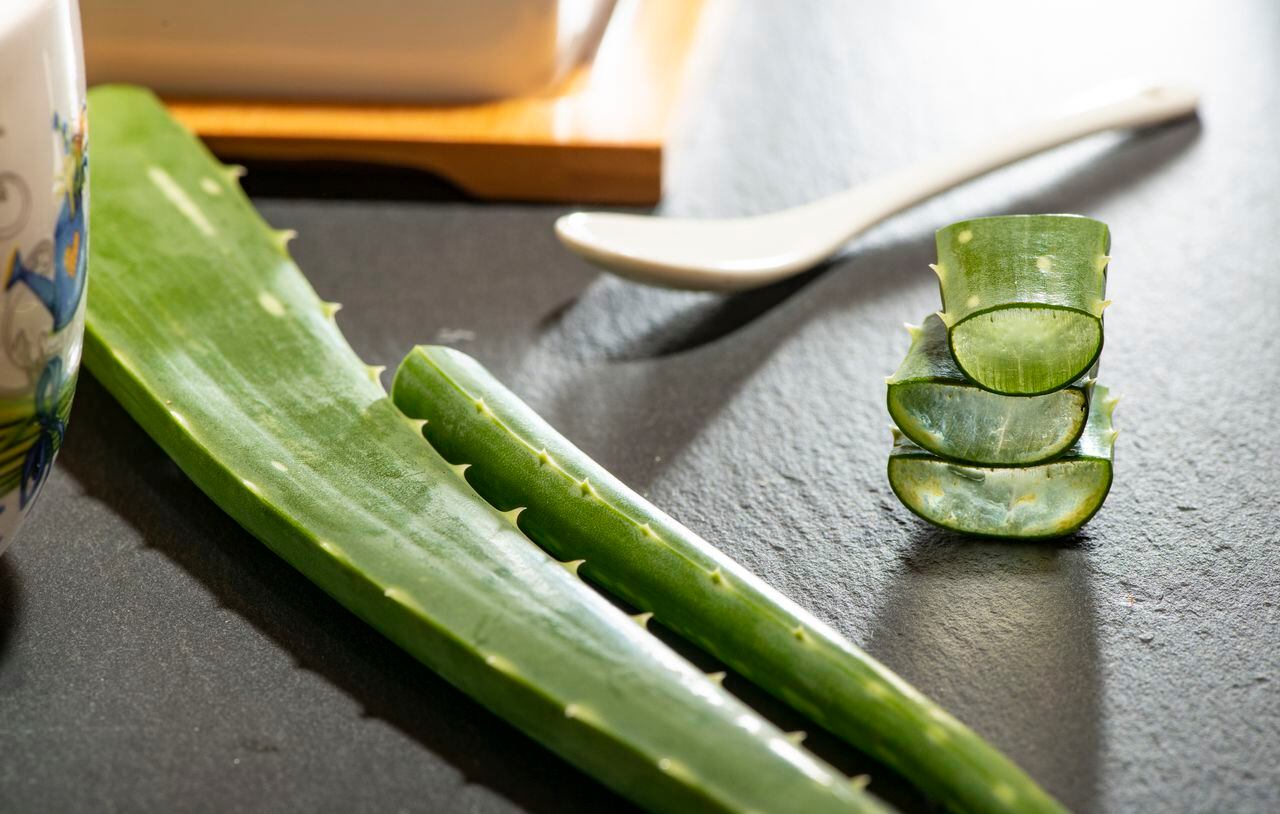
point(973, 301)
point(965, 236)
point(270, 304)
point(180, 200)
point(280, 466)
point(1044, 263)
point(210, 186)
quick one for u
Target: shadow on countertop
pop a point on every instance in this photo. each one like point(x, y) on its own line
point(1020, 648)
point(10, 596)
point(115, 462)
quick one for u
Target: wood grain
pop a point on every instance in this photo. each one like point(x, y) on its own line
point(596, 137)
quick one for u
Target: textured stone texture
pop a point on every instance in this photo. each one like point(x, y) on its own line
point(155, 657)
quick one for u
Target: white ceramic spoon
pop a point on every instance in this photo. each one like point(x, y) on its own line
point(732, 254)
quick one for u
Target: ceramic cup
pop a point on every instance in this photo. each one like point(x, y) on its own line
point(44, 195)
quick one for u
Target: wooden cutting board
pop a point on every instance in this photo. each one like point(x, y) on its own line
point(596, 137)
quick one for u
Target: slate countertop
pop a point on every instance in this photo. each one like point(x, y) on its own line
point(155, 657)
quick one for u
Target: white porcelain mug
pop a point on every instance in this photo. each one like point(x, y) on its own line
point(44, 198)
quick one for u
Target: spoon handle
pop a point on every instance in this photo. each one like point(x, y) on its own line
point(868, 204)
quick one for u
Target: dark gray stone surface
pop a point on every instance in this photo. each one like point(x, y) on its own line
point(154, 657)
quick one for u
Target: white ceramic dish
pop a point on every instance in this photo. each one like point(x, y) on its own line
point(43, 242)
point(389, 50)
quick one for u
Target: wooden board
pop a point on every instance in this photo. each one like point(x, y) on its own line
point(596, 137)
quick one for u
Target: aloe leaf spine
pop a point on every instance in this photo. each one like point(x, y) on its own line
point(941, 411)
point(577, 510)
point(204, 329)
point(1023, 297)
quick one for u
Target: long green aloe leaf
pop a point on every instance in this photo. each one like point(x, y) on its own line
point(207, 333)
point(1023, 299)
point(577, 510)
point(1025, 502)
point(941, 411)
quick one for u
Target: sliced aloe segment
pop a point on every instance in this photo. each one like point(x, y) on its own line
point(203, 328)
point(1023, 299)
point(941, 411)
point(1047, 500)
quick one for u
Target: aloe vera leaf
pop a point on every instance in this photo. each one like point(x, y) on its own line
point(207, 333)
point(1023, 299)
point(576, 509)
point(943, 412)
point(1051, 499)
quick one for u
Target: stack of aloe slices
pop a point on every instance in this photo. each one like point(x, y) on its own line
point(204, 329)
point(1001, 427)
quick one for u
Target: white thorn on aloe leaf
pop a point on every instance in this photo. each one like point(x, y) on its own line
point(646, 530)
point(234, 172)
point(642, 619)
point(799, 634)
point(572, 566)
point(717, 677)
point(330, 309)
point(898, 437)
point(797, 737)
point(937, 269)
point(417, 423)
point(251, 486)
point(1103, 305)
point(482, 407)
point(860, 782)
point(946, 318)
point(1112, 436)
point(500, 664)
point(1102, 261)
point(913, 330)
point(375, 372)
point(717, 576)
point(543, 457)
point(1109, 406)
point(331, 549)
point(586, 489)
point(281, 238)
point(513, 515)
point(460, 470)
point(402, 598)
point(571, 711)
point(181, 419)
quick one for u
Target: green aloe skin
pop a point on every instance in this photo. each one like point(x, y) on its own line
point(1023, 299)
point(211, 338)
point(577, 510)
point(944, 413)
point(1051, 499)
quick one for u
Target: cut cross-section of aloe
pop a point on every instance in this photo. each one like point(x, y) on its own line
point(1023, 299)
point(1047, 500)
point(941, 411)
point(208, 334)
